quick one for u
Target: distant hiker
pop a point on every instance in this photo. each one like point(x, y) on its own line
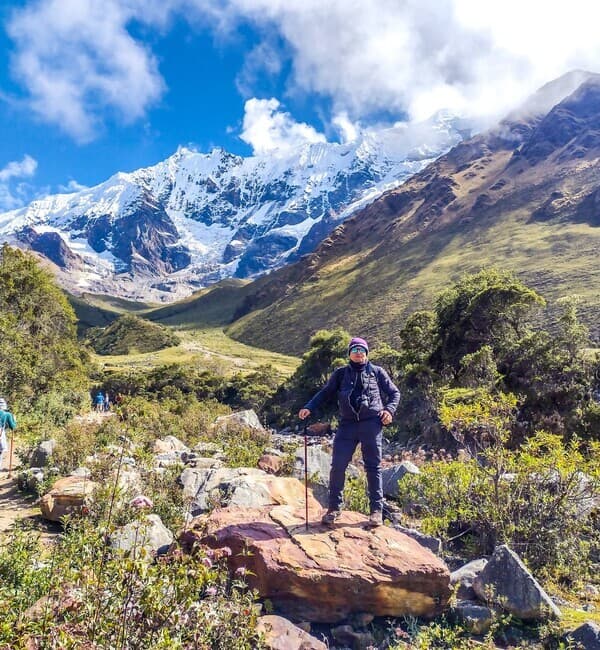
point(107, 402)
point(367, 400)
point(99, 401)
point(7, 420)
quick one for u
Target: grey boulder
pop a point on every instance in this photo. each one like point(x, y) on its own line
point(505, 581)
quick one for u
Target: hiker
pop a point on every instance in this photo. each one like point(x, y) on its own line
point(99, 402)
point(107, 402)
point(367, 400)
point(7, 419)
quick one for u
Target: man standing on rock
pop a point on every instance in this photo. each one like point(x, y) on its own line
point(7, 420)
point(367, 400)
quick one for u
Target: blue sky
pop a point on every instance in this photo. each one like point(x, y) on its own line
point(92, 87)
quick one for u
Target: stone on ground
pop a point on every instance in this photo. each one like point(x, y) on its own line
point(391, 475)
point(586, 636)
point(464, 577)
point(506, 582)
point(280, 634)
point(241, 486)
point(326, 574)
point(147, 537)
point(247, 419)
point(67, 496)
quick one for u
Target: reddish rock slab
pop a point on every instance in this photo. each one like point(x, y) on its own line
point(68, 496)
point(323, 574)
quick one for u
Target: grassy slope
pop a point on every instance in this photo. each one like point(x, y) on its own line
point(198, 321)
point(379, 272)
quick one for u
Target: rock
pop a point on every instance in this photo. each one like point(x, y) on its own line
point(206, 463)
point(586, 637)
point(346, 635)
point(270, 463)
point(464, 577)
point(588, 495)
point(319, 429)
point(144, 537)
point(68, 495)
point(280, 634)
point(391, 475)
point(207, 449)
point(167, 459)
point(246, 419)
point(241, 486)
point(82, 472)
point(31, 478)
point(130, 482)
point(434, 544)
point(506, 582)
point(476, 618)
point(323, 574)
point(42, 454)
point(169, 444)
point(318, 464)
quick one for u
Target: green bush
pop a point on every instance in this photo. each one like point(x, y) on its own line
point(97, 599)
point(535, 499)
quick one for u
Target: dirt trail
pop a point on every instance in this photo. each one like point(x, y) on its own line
point(14, 504)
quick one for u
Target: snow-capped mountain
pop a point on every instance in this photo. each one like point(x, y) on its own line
point(161, 232)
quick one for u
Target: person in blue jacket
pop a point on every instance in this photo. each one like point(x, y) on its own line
point(367, 400)
point(7, 421)
point(99, 401)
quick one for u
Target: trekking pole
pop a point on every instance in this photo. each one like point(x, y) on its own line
point(305, 477)
point(10, 454)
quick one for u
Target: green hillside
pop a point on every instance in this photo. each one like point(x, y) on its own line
point(213, 306)
point(131, 334)
point(524, 197)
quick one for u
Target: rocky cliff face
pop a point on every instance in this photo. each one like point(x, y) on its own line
point(163, 231)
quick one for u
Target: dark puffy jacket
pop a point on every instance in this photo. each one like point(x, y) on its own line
point(379, 392)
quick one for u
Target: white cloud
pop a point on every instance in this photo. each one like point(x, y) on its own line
point(13, 191)
point(72, 186)
point(418, 56)
point(347, 129)
point(270, 131)
point(77, 61)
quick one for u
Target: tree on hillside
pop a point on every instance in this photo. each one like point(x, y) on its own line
point(491, 308)
point(39, 352)
point(327, 351)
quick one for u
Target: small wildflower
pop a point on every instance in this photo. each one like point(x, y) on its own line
point(207, 562)
point(240, 571)
point(226, 551)
point(211, 591)
point(141, 501)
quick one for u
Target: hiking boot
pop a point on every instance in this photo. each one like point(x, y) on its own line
point(375, 519)
point(329, 517)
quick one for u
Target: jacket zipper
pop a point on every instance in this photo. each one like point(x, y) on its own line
point(357, 413)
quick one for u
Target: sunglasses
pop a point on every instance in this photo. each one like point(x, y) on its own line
point(358, 350)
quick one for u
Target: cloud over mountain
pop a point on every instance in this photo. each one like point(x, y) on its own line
point(81, 61)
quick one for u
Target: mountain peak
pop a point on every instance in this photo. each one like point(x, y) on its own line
point(166, 230)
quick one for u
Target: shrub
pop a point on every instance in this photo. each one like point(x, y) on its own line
point(536, 499)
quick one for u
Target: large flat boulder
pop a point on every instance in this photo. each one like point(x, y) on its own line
point(241, 486)
point(323, 574)
point(68, 496)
